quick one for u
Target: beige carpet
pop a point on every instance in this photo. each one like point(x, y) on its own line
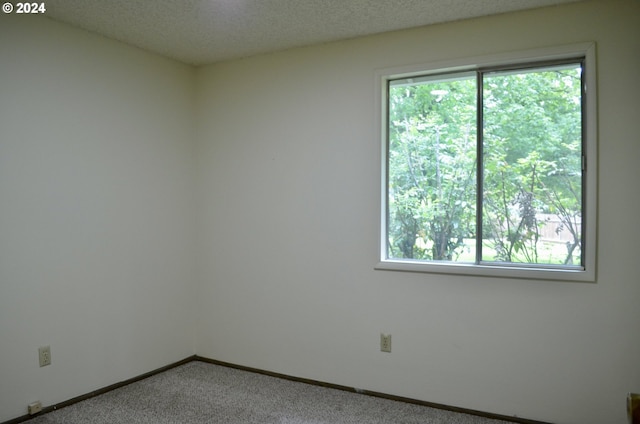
point(199, 392)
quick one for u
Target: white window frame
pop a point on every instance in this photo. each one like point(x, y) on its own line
point(586, 273)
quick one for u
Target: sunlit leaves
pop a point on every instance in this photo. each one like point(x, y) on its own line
point(432, 160)
point(531, 167)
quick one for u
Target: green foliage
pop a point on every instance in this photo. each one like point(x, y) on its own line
point(531, 166)
point(432, 162)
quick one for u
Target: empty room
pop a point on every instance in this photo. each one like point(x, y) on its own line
point(425, 200)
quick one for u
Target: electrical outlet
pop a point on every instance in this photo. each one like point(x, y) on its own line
point(385, 342)
point(44, 353)
point(34, 407)
point(633, 408)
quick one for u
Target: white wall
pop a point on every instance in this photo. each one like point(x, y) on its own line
point(96, 212)
point(288, 159)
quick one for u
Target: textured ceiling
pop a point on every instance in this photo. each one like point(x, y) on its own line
point(207, 31)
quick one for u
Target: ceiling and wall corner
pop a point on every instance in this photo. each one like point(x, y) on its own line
point(200, 32)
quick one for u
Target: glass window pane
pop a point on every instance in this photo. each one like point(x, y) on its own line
point(532, 166)
point(432, 168)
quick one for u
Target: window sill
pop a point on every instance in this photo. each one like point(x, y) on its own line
point(467, 269)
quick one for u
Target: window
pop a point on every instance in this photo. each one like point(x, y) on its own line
point(489, 169)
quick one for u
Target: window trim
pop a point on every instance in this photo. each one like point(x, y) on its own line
point(511, 59)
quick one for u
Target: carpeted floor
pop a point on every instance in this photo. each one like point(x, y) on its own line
point(199, 392)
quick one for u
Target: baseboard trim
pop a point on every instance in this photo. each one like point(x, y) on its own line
point(111, 387)
point(101, 391)
point(372, 393)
